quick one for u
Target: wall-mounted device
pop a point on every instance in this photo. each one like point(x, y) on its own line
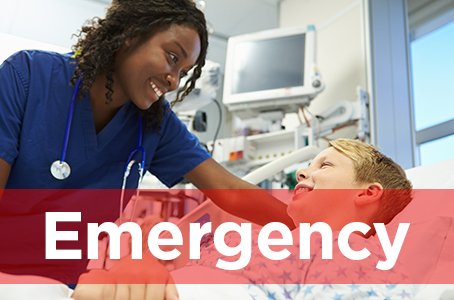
point(273, 69)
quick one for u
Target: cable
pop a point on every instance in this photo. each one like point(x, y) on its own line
point(302, 109)
point(339, 15)
point(219, 124)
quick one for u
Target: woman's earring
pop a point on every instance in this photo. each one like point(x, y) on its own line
point(108, 97)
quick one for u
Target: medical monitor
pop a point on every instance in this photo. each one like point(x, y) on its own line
point(273, 69)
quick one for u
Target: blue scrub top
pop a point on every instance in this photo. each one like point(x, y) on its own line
point(35, 96)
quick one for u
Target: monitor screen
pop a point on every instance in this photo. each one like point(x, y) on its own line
point(271, 69)
point(260, 65)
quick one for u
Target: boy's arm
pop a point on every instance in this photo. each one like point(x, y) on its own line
point(261, 209)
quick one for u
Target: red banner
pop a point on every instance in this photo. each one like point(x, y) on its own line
point(53, 234)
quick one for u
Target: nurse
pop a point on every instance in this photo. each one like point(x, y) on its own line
point(92, 110)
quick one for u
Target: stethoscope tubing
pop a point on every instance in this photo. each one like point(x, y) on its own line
point(137, 149)
point(69, 120)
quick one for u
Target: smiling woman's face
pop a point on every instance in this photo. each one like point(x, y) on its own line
point(330, 171)
point(146, 73)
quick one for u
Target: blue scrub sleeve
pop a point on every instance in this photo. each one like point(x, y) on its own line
point(178, 152)
point(13, 95)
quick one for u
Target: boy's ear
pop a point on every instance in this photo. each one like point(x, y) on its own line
point(372, 193)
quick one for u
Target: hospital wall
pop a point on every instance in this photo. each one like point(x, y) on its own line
point(341, 55)
point(364, 43)
point(49, 21)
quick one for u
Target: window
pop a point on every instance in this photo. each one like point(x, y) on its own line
point(433, 92)
point(442, 148)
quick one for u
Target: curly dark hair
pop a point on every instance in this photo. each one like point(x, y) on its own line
point(101, 38)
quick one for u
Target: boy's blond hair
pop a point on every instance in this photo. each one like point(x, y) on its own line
point(370, 166)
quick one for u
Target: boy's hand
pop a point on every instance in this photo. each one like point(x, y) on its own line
point(144, 279)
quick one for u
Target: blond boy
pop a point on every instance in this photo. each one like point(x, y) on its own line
point(379, 187)
point(359, 184)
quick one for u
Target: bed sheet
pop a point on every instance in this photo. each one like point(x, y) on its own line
point(50, 290)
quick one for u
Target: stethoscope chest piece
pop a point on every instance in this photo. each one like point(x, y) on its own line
point(60, 169)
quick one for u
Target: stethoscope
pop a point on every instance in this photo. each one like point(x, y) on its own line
point(61, 170)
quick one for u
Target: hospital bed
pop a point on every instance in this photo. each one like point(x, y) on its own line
point(437, 176)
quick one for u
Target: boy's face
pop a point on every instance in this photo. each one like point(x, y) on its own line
point(334, 173)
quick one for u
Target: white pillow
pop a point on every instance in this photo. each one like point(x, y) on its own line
point(435, 176)
point(430, 239)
